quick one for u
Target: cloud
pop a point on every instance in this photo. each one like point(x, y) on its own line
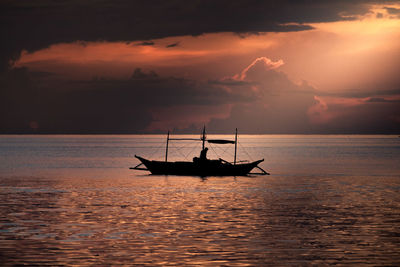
point(393, 11)
point(172, 45)
point(341, 115)
point(282, 106)
point(257, 67)
point(33, 25)
point(106, 105)
point(382, 100)
point(146, 43)
point(259, 99)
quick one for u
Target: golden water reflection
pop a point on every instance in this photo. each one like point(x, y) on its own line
point(157, 220)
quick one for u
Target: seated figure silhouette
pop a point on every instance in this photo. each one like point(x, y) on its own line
point(202, 158)
point(203, 154)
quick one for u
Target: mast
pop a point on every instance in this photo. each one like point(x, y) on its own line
point(234, 161)
point(204, 137)
point(166, 149)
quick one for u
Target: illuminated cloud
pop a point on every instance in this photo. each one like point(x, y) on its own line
point(260, 63)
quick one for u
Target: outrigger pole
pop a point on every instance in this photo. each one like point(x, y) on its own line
point(204, 136)
point(166, 149)
point(234, 160)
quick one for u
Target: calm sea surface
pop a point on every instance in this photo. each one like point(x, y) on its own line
point(72, 200)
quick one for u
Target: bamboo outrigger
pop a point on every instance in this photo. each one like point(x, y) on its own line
point(200, 166)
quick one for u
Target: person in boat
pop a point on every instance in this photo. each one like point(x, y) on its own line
point(203, 156)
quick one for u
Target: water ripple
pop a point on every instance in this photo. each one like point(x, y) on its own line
point(159, 221)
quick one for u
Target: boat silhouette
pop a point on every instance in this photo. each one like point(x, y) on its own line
point(200, 166)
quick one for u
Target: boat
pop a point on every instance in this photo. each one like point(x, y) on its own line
point(200, 166)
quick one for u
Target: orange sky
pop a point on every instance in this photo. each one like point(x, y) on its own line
point(332, 56)
point(335, 59)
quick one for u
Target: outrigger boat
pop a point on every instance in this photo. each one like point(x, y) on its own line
point(200, 166)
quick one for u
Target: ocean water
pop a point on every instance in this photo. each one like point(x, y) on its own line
point(72, 200)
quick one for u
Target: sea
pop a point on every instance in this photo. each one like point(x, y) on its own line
point(73, 200)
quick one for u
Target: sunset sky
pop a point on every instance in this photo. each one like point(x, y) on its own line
point(284, 67)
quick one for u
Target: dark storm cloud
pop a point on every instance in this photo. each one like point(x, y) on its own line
point(99, 105)
point(231, 82)
point(373, 117)
point(146, 43)
point(354, 93)
point(33, 25)
point(393, 11)
point(381, 100)
point(172, 45)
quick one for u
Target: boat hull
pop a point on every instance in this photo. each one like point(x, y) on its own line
point(200, 168)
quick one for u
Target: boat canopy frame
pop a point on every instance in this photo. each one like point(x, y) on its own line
point(203, 139)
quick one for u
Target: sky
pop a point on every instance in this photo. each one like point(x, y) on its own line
point(264, 67)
